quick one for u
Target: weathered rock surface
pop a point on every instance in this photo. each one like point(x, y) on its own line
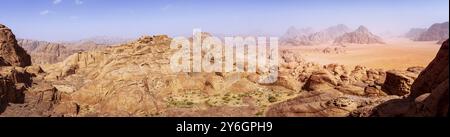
point(14, 79)
point(327, 103)
point(399, 82)
point(11, 54)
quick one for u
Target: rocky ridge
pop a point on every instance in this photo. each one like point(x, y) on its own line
point(362, 35)
point(436, 32)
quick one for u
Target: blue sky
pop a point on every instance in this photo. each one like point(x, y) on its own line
point(63, 20)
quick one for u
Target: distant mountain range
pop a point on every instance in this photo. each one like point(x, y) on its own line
point(43, 52)
point(337, 34)
point(436, 32)
point(362, 35)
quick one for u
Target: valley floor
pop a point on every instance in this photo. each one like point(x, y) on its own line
point(396, 54)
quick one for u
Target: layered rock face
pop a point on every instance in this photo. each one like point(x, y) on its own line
point(429, 92)
point(11, 54)
point(360, 36)
point(14, 79)
point(436, 32)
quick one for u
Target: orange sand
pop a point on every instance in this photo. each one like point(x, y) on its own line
point(396, 54)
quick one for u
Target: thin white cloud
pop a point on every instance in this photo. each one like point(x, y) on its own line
point(78, 2)
point(57, 1)
point(44, 12)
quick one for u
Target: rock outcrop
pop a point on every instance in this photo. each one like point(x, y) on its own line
point(436, 32)
point(429, 93)
point(135, 79)
point(11, 54)
point(334, 50)
point(14, 79)
point(332, 91)
point(399, 82)
point(328, 103)
point(360, 36)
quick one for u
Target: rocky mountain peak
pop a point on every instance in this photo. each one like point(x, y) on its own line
point(362, 29)
point(11, 54)
point(362, 35)
point(437, 31)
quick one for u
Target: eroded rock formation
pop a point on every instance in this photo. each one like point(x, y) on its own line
point(11, 54)
point(14, 79)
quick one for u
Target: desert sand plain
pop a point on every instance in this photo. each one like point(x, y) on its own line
point(397, 53)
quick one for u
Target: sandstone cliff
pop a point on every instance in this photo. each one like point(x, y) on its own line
point(14, 79)
point(10, 52)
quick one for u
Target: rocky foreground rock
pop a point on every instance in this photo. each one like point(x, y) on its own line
point(11, 54)
point(15, 76)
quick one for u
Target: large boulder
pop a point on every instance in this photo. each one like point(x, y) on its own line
point(320, 80)
point(398, 82)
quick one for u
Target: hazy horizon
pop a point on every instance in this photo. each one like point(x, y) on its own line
point(68, 20)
